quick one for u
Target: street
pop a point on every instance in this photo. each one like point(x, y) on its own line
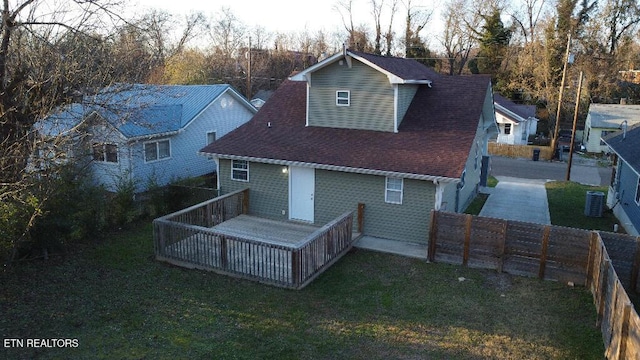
point(584, 171)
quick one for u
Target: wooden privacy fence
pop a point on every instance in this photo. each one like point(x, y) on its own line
point(187, 238)
point(606, 263)
point(520, 151)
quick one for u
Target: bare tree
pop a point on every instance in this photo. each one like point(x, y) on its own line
point(417, 18)
point(527, 16)
point(389, 35)
point(46, 59)
point(621, 18)
point(345, 9)
point(458, 37)
point(376, 11)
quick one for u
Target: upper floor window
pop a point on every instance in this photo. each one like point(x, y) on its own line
point(507, 129)
point(240, 170)
point(393, 190)
point(343, 98)
point(211, 137)
point(105, 153)
point(157, 150)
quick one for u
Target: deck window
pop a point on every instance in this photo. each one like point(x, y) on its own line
point(393, 190)
point(240, 170)
point(105, 153)
point(157, 150)
point(638, 192)
point(343, 98)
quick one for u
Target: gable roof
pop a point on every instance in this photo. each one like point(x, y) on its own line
point(612, 115)
point(509, 108)
point(625, 145)
point(432, 142)
point(398, 70)
point(140, 110)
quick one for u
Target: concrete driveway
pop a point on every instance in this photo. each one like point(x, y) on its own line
point(518, 199)
point(521, 194)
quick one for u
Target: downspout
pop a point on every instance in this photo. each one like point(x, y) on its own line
point(438, 198)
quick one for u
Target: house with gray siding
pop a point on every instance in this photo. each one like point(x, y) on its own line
point(624, 192)
point(148, 134)
point(358, 128)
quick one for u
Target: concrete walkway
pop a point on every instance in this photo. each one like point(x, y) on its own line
point(518, 199)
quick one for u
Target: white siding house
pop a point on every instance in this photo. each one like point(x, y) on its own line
point(148, 134)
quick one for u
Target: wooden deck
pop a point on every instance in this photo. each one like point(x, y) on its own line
point(219, 236)
point(266, 230)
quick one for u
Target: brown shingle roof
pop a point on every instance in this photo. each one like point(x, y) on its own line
point(406, 69)
point(434, 138)
point(524, 111)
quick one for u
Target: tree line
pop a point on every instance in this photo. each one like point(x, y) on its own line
point(51, 57)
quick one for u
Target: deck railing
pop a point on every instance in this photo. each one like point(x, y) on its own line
point(186, 238)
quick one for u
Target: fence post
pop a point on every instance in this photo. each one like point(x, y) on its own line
point(503, 245)
point(593, 241)
point(543, 251)
point(467, 239)
point(433, 233)
point(624, 330)
point(360, 217)
point(636, 267)
point(604, 284)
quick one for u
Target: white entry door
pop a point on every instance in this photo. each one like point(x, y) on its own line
point(301, 193)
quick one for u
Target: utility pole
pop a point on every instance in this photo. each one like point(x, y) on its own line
point(554, 140)
point(573, 132)
point(249, 71)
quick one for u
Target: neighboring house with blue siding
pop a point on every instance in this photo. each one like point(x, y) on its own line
point(355, 128)
point(149, 134)
point(624, 193)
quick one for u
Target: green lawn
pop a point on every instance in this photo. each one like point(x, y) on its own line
point(566, 206)
point(121, 304)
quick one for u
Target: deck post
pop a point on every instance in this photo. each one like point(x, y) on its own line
point(224, 262)
point(295, 267)
point(245, 201)
point(360, 217)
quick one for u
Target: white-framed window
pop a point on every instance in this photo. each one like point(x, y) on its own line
point(638, 192)
point(157, 150)
point(507, 129)
point(211, 137)
point(343, 98)
point(393, 190)
point(240, 170)
point(105, 152)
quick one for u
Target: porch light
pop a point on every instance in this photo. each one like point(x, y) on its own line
point(285, 170)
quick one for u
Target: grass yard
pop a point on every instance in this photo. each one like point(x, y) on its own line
point(121, 304)
point(566, 206)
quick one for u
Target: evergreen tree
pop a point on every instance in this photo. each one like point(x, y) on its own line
point(494, 41)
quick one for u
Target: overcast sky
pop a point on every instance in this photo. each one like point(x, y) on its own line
point(279, 15)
